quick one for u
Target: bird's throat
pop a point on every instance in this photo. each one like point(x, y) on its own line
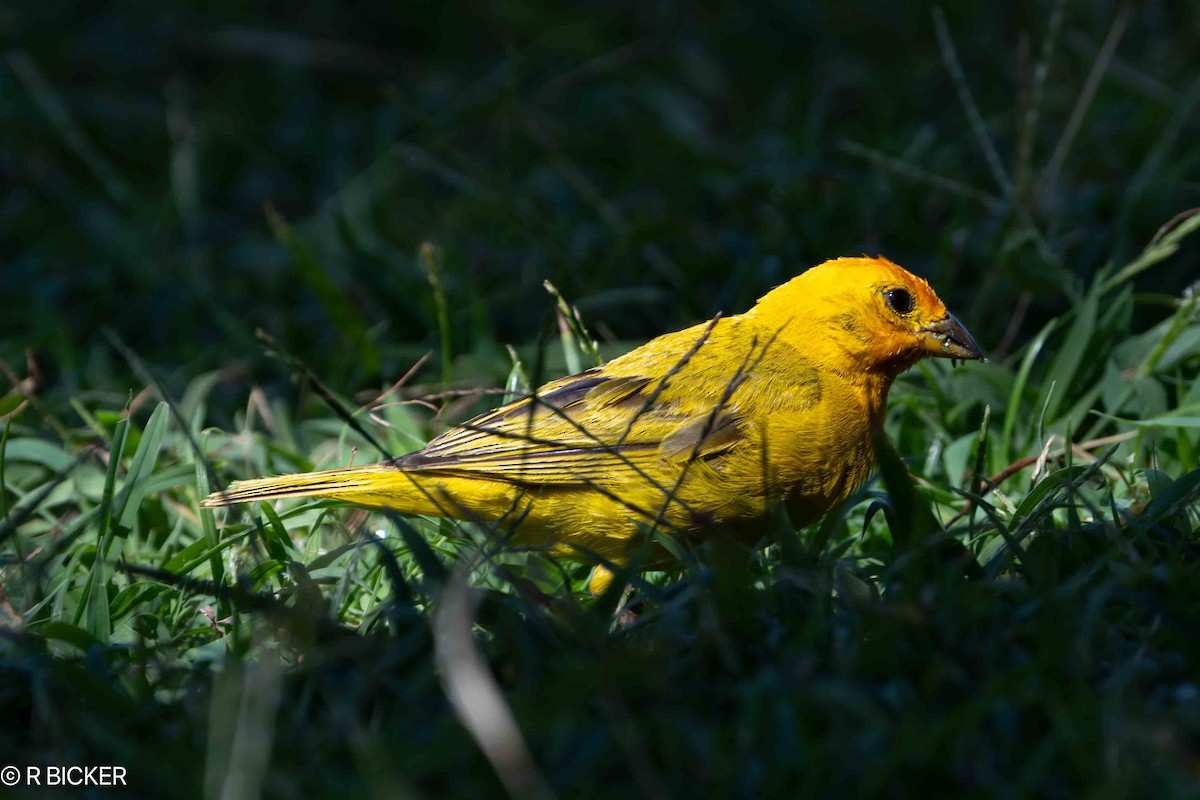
point(875, 393)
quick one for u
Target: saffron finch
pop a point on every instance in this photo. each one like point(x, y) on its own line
point(712, 425)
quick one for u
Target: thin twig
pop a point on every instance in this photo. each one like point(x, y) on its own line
point(1014, 326)
point(1086, 96)
point(1140, 82)
point(918, 175)
point(1169, 224)
point(1020, 464)
point(950, 56)
point(1040, 71)
point(476, 697)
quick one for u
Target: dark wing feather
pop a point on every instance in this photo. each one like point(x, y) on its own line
point(587, 428)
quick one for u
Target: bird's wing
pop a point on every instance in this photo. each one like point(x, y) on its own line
point(585, 429)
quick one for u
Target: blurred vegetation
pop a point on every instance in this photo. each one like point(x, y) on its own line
point(658, 163)
point(181, 176)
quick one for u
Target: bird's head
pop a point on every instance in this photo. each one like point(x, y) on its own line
point(879, 315)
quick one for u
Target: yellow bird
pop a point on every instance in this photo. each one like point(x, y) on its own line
point(708, 426)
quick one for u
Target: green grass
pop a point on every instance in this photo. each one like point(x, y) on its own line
point(229, 254)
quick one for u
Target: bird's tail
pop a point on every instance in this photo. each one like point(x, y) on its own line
point(380, 485)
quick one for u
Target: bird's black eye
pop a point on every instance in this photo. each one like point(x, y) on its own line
point(899, 300)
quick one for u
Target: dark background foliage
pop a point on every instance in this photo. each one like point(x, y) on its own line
point(659, 162)
point(176, 176)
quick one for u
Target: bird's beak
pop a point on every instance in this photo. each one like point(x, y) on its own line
point(948, 338)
